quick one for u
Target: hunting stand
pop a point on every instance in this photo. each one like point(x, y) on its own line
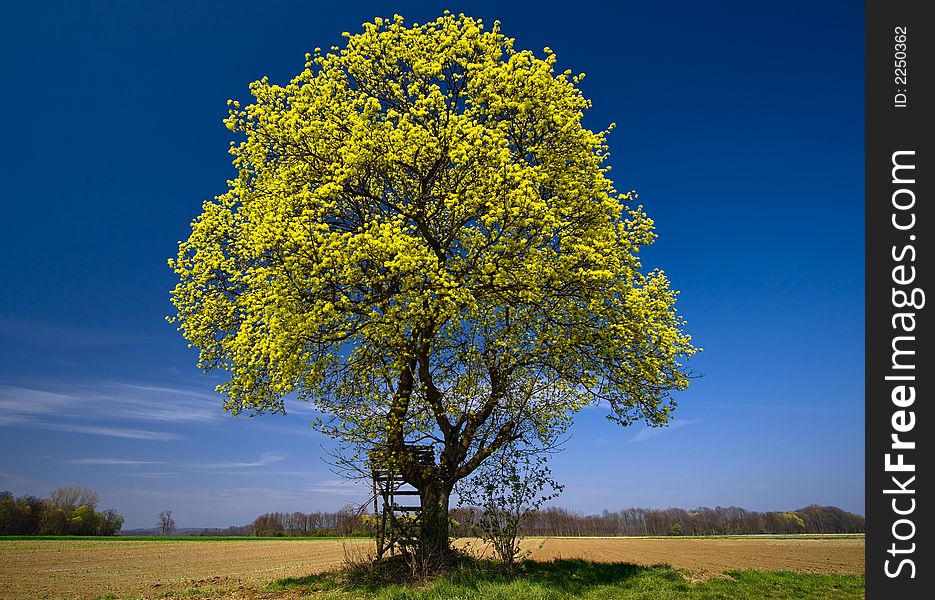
point(388, 484)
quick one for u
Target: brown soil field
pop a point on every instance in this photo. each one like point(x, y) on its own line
point(710, 557)
point(88, 569)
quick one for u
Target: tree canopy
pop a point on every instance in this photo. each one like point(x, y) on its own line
point(422, 240)
point(68, 510)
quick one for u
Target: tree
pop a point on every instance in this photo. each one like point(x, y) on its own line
point(54, 520)
point(70, 497)
point(111, 522)
point(68, 511)
point(508, 487)
point(84, 521)
point(11, 521)
point(423, 241)
point(268, 525)
point(165, 523)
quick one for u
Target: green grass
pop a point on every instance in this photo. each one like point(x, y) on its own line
point(566, 579)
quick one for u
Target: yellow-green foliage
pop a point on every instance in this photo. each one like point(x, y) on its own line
point(423, 238)
point(794, 518)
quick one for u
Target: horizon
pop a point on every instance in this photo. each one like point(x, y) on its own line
point(364, 509)
point(748, 158)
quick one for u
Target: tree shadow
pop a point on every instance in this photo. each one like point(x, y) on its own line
point(576, 575)
point(568, 576)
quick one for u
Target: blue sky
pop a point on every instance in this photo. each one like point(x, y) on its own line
point(739, 124)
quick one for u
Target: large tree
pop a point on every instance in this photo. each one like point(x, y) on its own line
point(423, 241)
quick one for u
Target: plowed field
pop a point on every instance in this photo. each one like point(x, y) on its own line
point(89, 569)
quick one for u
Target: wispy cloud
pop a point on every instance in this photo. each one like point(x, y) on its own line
point(111, 461)
point(47, 333)
point(336, 487)
point(108, 408)
point(267, 458)
point(266, 493)
point(119, 432)
point(151, 475)
point(111, 399)
point(598, 403)
point(298, 407)
point(155, 403)
point(651, 432)
point(23, 404)
point(292, 474)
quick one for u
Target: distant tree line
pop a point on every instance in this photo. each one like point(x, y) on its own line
point(233, 530)
point(67, 511)
point(346, 522)
point(556, 521)
point(732, 520)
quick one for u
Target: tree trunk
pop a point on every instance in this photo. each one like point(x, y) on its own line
point(434, 526)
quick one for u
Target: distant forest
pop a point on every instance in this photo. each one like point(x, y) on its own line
point(67, 511)
point(73, 511)
point(677, 521)
point(563, 522)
